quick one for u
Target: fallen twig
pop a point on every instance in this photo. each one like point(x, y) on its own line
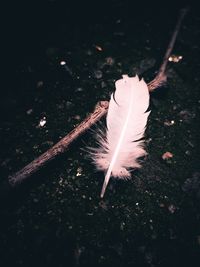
point(61, 146)
point(100, 111)
point(161, 77)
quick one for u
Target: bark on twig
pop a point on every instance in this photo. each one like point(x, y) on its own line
point(161, 77)
point(100, 111)
point(60, 147)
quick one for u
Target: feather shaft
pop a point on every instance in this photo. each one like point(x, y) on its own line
point(108, 174)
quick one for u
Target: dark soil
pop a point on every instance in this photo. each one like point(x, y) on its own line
point(56, 217)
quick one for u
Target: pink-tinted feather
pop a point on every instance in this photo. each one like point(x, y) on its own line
point(126, 120)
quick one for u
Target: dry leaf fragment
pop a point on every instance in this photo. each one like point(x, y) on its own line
point(167, 155)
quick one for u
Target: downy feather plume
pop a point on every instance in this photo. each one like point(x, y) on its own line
point(122, 145)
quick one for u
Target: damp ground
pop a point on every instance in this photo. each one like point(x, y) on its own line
point(63, 60)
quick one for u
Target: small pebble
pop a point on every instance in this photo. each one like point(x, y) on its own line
point(172, 208)
point(98, 74)
point(40, 84)
point(28, 112)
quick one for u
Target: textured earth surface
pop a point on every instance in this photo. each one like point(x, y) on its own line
point(63, 59)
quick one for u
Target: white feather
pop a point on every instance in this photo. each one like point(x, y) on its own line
point(126, 121)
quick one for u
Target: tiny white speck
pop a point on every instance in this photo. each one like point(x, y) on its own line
point(79, 172)
point(62, 63)
point(42, 122)
point(175, 58)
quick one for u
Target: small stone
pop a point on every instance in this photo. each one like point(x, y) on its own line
point(40, 84)
point(188, 153)
point(175, 58)
point(172, 208)
point(110, 61)
point(29, 111)
point(98, 74)
point(68, 104)
point(169, 123)
point(98, 48)
point(122, 225)
point(90, 214)
point(18, 151)
point(79, 171)
point(103, 84)
point(62, 63)
point(42, 122)
point(79, 89)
